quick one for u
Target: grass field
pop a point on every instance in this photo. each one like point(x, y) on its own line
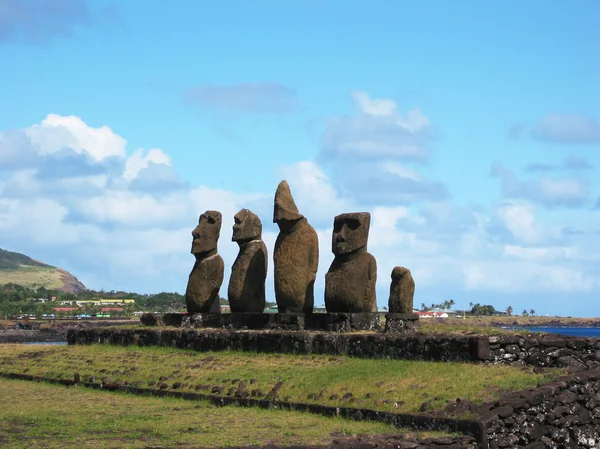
point(49, 277)
point(50, 416)
point(392, 385)
point(491, 325)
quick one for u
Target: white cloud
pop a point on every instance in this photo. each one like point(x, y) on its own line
point(370, 154)
point(138, 161)
point(549, 191)
point(519, 219)
point(57, 132)
point(115, 237)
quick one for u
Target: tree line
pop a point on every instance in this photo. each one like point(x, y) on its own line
point(16, 299)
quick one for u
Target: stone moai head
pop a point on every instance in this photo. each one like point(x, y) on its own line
point(247, 226)
point(285, 212)
point(350, 232)
point(398, 273)
point(206, 234)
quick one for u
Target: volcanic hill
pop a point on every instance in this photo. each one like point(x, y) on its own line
point(20, 269)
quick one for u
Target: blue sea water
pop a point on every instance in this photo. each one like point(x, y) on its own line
point(46, 343)
point(570, 331)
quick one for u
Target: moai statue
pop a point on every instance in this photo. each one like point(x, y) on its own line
point(296, 255)
point(202, 294)
point(246, 292)
point(402, 291)
point(350, 281)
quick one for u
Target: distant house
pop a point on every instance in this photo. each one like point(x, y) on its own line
point(432, 314)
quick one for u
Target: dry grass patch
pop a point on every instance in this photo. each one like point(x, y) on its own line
point(392, 385)
point(468, 327)
point(50, 416)
point(49, 277)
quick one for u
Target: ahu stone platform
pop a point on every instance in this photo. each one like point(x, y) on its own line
point(400, 323)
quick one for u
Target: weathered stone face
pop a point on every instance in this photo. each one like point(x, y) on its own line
point(247, 226)
point(296, 255)
point(204, 283)
point(350, 232)
point(246, 291)
point(402, 291)
point(206, 234)
point(350, 281)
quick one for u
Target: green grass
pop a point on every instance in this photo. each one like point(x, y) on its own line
point(33, 276)
point(450, 326)
point(390, 385)
point(50, 416)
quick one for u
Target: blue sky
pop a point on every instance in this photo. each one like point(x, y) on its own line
point(470, 131)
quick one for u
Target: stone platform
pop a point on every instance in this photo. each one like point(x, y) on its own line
point(330, 322)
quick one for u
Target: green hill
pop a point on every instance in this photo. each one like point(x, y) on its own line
point(20, 269)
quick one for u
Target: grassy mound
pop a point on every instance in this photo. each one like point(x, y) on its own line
point(390, 385)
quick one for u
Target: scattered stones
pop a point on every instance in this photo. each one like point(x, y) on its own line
point(350, 281)
point(246, 292)
point(202, 293)
point(296, 255)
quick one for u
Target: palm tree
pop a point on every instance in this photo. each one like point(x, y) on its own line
point(509, 310)
point(532, 312)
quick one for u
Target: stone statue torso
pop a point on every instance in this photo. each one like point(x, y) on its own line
point(202, 293)
point(296, 259)
point(350, 285)
point(246, 291)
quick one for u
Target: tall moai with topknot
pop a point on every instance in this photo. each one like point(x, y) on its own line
point(350, 281)
point(204, 283)
point(246, 292)
point(296, 255)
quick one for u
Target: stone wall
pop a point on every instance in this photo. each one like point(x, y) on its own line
point(545, 351)
point(540, 351)
point(561, 414)
point(376, 345)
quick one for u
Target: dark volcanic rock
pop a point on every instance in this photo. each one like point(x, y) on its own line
point(402, 291)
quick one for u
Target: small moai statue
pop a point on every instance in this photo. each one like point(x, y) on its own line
point(246, 292)
point(350, 281)
point(402, 291)
point(296, 255)
point(202, 293)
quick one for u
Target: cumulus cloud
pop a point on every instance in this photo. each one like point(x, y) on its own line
point(101, 219)
point(377, 130)
point(567, 129)
point(551, 192)
point(374, 154)
point(38, 22)
point(252, 98)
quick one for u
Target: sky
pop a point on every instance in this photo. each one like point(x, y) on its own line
point(470, 131)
